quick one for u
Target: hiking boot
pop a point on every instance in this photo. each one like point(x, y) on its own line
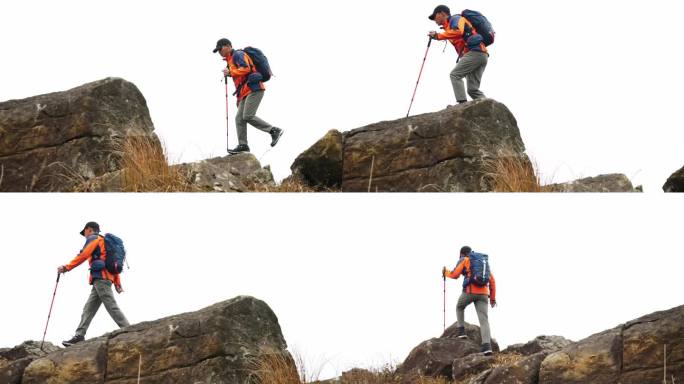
point(73, 340)
point(487, 349)
point(239, 149)
point(461, 333)
point(275, 135)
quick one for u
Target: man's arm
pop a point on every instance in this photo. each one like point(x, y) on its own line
point(240, 65)
point(117, 283)
point(86, 253)
point(492, 289)
point(458, 271)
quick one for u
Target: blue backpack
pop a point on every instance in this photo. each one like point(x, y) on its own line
point(482, 25)
point(116, 254)
point(260, 62)
point(479, 270)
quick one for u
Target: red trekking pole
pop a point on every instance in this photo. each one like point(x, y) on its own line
point(419, 75)
point(50, 312)
point(444, 305)
point(225, 80)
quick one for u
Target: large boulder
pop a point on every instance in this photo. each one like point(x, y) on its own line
point(236, 173)
point(57, 141)
point(13, 361)
point(435, 357)
point(214, 345)
point(675, 183)
point(629, 354)
point(517, 371)
point(602, 183)
point(321, 165)
point(643, 347)
point(443, 151)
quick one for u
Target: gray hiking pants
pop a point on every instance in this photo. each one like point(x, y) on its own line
point(246, 113)
point(471, 66)
point(481, 303)
point(101, 293)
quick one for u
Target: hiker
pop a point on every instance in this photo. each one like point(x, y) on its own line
point(100, 278)
point(475, 290)
point(471, 49)
point(249, 89)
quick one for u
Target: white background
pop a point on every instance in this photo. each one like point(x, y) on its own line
point(595, 85)
point(355, 280)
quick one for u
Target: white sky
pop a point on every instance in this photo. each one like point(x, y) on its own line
point(594, 85)
point(354, 279)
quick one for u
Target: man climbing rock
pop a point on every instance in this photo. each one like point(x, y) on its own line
point(479, 288)
point(249, 89)
point(100, 278)
point(471, 49)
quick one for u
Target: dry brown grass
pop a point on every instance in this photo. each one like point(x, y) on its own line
point(513, 174)
point(273, 367)
point(145, 168)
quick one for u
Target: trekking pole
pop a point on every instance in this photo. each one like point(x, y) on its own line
point(225, 80)
point(444, 305)
point(50, 312)
point(419, 75)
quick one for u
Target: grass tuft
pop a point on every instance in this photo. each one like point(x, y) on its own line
point(145, 168)
point(513, 174)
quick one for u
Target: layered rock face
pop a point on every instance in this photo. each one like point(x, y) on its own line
point(213, 345)
point(54, 142)
point(442, 151)
point(631, 353)
point(628, 354)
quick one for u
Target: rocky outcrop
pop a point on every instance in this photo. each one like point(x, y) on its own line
point(75, 141)
point(214, 345)
point(13, 361)
point(435, 357)
point(629, 354)
point(516, 364)
point(602, 183)
point(237, 173)
point(675, 183)
point(443, 151)
point(54, 142)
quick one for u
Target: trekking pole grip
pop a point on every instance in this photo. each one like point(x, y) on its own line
point(429, 41)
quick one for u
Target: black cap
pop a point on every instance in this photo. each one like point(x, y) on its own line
point(222, 43)
point(440, 8)
point(465, 250)
point(92, 225)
